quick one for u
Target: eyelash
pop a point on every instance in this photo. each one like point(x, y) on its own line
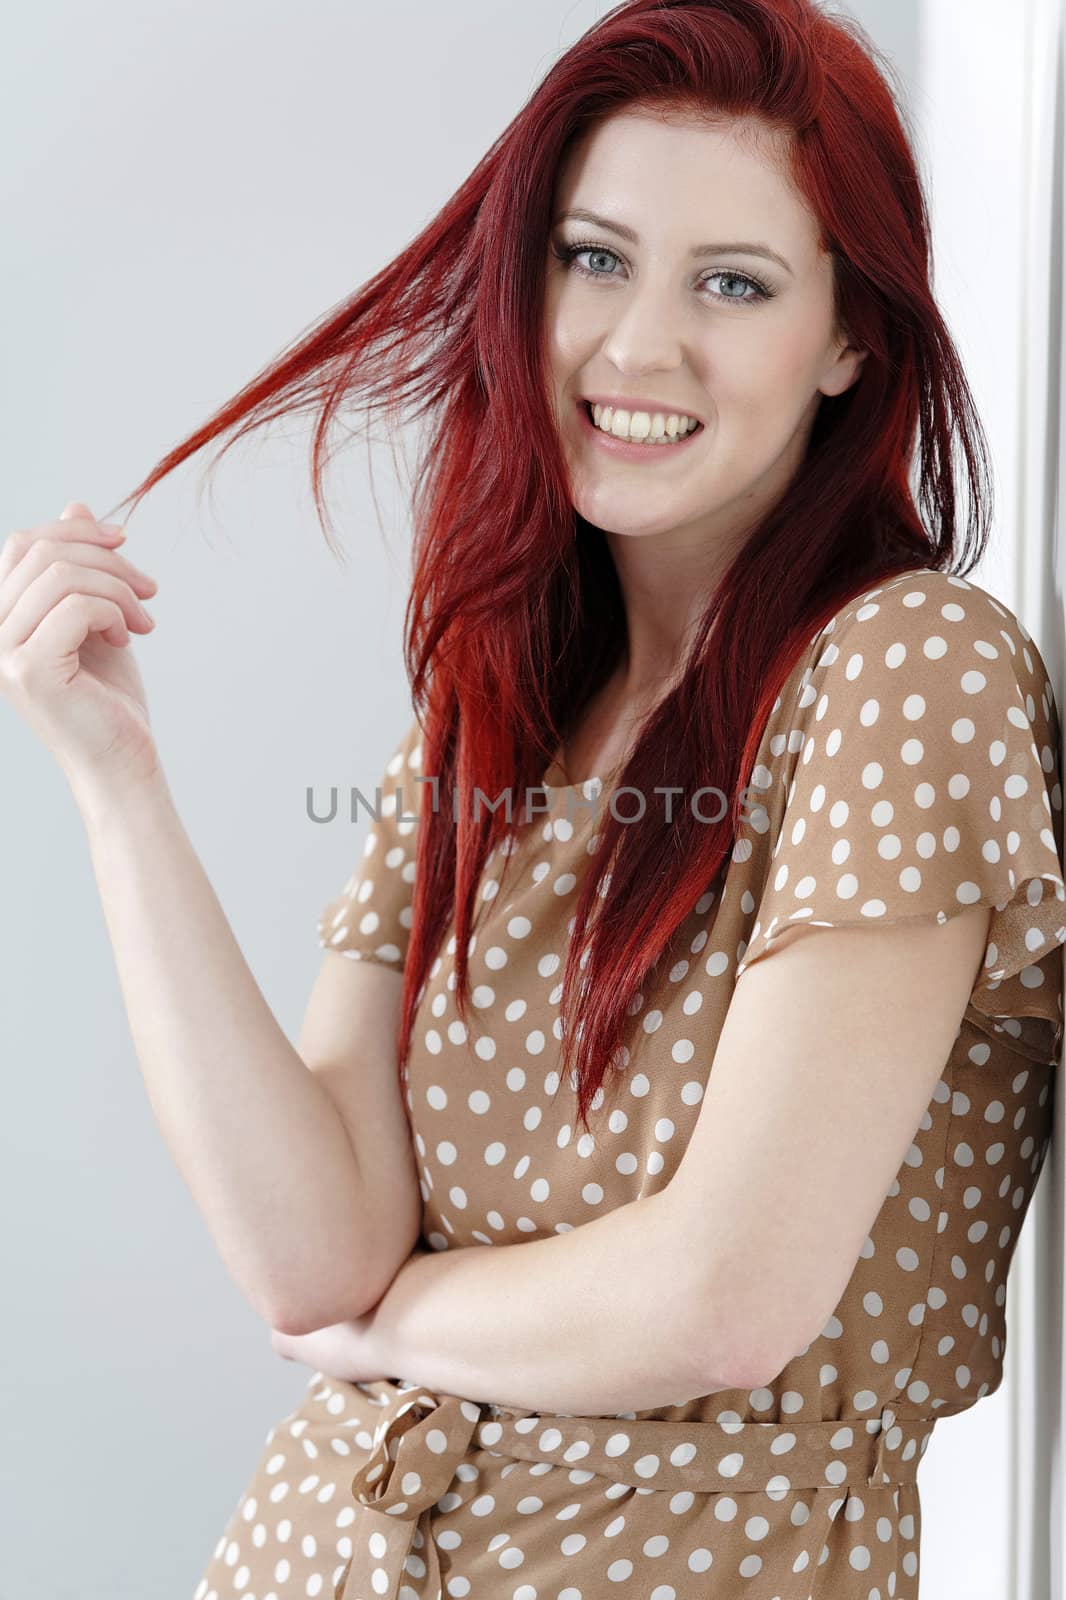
point(566, 253)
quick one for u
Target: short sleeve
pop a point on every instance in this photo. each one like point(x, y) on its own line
point(370, 920)
point(920, 765)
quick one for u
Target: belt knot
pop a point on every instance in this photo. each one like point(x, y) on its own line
point(419, 1443)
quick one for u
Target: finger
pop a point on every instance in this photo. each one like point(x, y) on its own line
point(54, 644)
point(77, 510)
point(56, 584)
point(43, 553)
point(18, 545)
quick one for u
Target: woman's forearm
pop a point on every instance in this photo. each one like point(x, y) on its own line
point(589, 1322)
point(256, 1138)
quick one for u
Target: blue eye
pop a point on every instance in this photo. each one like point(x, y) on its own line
point(763, 291)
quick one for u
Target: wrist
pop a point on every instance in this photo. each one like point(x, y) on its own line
point(101, 797)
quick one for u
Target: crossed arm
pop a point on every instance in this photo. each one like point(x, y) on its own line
point(723, 1276)
point(605, 1318)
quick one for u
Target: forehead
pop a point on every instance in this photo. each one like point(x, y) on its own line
point(675, 177)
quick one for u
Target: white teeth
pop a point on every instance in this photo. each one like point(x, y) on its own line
point(643, 427)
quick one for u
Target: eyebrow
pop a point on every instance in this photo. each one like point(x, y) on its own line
point(746, 248)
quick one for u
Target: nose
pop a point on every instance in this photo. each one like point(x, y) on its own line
point(645, 333)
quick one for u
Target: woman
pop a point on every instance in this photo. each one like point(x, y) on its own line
point(673, 600)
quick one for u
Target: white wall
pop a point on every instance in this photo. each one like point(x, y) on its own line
point(989, 102)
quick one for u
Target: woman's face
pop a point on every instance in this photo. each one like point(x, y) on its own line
point(662, 308)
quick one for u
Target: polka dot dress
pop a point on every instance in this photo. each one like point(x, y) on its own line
point(910, 767)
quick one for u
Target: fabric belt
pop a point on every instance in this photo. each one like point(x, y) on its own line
point(423, 1438)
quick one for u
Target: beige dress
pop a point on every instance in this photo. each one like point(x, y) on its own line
point(910, 767)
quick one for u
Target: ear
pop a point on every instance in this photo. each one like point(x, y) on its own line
point(845, 371)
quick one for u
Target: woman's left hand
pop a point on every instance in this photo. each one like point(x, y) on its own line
point(344, 1350)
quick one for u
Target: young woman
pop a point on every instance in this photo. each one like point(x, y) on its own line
point(644, 1184)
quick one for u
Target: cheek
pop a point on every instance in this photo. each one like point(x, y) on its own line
point(761, 376)
point(788, 358)
point(571, 328)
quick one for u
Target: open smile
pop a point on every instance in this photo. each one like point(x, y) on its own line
point(628, 451)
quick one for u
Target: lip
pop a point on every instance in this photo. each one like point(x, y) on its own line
point(633, 452)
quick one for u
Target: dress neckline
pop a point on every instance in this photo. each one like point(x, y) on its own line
point(555, 774)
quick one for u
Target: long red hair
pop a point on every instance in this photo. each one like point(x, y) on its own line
point(514, 618)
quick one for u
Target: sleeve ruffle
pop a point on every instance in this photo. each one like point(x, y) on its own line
point(370, 919)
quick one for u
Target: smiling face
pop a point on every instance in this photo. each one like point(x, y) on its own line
point(742, 343)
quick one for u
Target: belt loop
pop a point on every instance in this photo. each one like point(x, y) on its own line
point(879, 1472)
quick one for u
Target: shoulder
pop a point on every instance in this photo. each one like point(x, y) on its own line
point(935, 614)
point(926, 642)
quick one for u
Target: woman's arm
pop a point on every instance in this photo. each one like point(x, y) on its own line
point(299, 1159)
point(256, 1137)
point(610, 1316)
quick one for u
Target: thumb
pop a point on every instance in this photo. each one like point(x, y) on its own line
point(74, 508)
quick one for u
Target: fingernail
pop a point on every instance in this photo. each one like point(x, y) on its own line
point(115, 530)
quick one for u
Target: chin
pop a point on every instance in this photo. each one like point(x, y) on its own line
point(625, 521)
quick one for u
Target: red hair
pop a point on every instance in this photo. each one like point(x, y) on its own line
point(514, 618)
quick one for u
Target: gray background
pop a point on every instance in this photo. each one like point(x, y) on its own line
point(185, 189)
